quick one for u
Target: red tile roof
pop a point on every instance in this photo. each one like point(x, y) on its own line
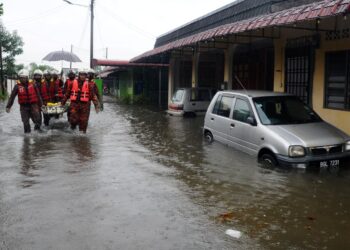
point(307, 12)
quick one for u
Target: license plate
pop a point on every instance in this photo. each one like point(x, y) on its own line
point(328, 164)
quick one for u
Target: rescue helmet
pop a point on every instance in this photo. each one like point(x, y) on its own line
point(38, 72)
point(23, 73)
point(47, 72)
point(82, 71)
point(54, 72)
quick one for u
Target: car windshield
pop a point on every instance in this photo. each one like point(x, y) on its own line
point(177, 97)
point(283, 110)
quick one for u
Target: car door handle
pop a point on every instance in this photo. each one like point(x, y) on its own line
point(232, 125)
point(212, 119)
point(193, 104)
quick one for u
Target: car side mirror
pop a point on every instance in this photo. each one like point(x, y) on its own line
point(251, 121)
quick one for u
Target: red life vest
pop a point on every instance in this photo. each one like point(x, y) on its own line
point(84, 92)
point(27, 96)
point(44, 91)
point(55, 85)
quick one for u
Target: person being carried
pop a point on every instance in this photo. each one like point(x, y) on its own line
point(29, 100)
point(80, 94)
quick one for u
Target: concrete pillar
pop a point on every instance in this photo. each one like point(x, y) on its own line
point(171, 78)
point(279, 66)
point(195, 63)
point(228, 67)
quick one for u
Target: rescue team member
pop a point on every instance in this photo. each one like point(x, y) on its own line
point(81, 94)
point(41, 86)
point(56, 87)
point(70, 79)
point(68, 83)
point(28, 99)
point(47, 81)
point(91, 78)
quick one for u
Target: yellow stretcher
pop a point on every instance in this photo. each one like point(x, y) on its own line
point(55, 108)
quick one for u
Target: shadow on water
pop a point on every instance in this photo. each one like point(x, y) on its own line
point(280, 208)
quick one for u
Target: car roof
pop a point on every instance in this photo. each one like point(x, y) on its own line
point(255, 93)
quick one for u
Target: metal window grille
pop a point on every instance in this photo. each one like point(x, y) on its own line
point(337, 90)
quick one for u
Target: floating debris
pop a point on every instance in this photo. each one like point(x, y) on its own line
point(233, 233)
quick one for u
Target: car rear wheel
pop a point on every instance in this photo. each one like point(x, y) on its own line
point(208, 136)
point(268, 161)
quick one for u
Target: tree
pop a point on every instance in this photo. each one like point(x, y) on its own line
point(1, 9)
point(12, 45)
point(33, 66)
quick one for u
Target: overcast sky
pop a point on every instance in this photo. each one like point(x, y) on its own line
point(126, 28)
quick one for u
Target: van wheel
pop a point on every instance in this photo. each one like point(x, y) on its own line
point(208, 136)
point(268, 161)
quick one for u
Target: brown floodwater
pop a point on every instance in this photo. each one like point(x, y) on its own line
point(143, 180)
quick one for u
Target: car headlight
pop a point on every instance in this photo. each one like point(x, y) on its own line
point(347, 146)
point(297, 151)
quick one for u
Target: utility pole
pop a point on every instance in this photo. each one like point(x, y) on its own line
point(106, 53)
point(92, 33)
point(71, 51)
point(91, 26)
point(1, 67)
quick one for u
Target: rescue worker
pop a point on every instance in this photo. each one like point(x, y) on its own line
point(47, 76)
point(51, 91)
point(80, 93)
point(28, 99)
point(71, 77)
point(68, 83)
point(56, 87)
point(91, 78)
point(43, 88)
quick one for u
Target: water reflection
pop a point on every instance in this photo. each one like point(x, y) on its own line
point(281, 208)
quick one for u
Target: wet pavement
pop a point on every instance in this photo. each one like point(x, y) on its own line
point(142, 180)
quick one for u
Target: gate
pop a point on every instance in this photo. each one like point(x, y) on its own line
point(300, 67)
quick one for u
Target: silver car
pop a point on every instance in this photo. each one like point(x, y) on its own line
point(278, 128)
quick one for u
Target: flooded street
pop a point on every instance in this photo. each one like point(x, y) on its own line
point(142, 180)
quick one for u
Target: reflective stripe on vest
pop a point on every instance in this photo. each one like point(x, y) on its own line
point(27, 97)
point(84, 92)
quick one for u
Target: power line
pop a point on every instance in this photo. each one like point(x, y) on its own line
point(99, 30)
point(127, 24)
point(37, 16)
point(84, 29)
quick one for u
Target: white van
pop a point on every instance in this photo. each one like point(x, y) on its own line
point(190, 101)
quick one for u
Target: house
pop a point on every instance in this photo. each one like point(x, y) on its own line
point(296, 46)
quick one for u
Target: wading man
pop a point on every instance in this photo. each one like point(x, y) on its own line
point(29, 100)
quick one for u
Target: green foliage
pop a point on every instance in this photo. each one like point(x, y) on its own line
point(12, 46)
point(33, 66)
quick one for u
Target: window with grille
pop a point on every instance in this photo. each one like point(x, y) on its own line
point(337, 94)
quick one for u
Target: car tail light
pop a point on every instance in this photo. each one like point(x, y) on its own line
point(176, 106)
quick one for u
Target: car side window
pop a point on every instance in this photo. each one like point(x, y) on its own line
point(241, 112)
point(223, 106)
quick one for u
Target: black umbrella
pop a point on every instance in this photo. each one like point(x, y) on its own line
point(61, 56)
